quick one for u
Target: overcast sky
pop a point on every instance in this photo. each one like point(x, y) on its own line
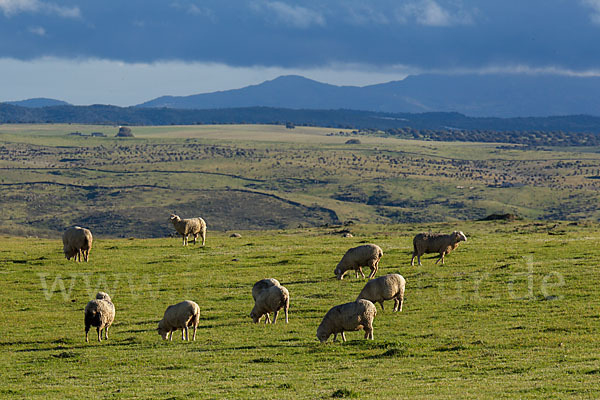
point(125, 52)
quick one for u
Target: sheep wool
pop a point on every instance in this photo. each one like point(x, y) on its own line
point(100, 313)
point(387, 287)
point(367, 255)
point(77, 241)
point(270, 299)
point(352, 316)
point(179, 316)
point(262, 285)
point(191, 226)
point(435, 243)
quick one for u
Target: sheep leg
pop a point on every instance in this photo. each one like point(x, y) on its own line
point(419, 259)
point(170, 335)
point(267, 319)
point(369, 332)
point(412, 260)
point(374, 269)
point(286, 314)
point(361, 272)
point(396, 304)
point(194, 337)
point(106, 332)
point(335, 337)
point(203, 238)
point(99, 334)
point(440, 259)
point(184, 239)
point(381, 303)
point(343, 336)
point(185, 334)
point(195, 237)
point(87, 329)
point(275, 314)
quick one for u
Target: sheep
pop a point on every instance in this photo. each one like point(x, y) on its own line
point(366, 255)
point(352, 316)
point(270, 299)
point(435, 243)
point(179, 316)
point(191, 226)
point(262, 285)
point(77, 241)
point(385, 287)
point(100, 313)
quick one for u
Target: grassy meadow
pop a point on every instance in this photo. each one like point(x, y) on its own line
point(270, 177)
point(514, 313)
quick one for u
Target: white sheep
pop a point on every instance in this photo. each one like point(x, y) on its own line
point(191, 226)
point(367, 255)
point(435, 243)
point(270, 299)
point(179, 316)
point(262, 285)
point(352, 316)
point(77, 241)
point(387, 287)
point(100, 313)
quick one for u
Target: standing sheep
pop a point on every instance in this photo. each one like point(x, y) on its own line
point(386, 287)
point(100, 313)
point(179, 316)
point(77, 241)
point(270, 299)
point(191, 226)
point(348, 317)
point(367, 255)
point(435, 243)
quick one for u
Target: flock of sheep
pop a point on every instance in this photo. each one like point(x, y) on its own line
point(269, 295)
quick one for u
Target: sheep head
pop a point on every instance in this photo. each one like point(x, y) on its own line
point(255, 316)
point(459, 236)
point(162, 331)
point(174, 218)
point(322, 334)
point(338, 273)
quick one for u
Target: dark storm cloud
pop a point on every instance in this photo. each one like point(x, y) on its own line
point(427, 34)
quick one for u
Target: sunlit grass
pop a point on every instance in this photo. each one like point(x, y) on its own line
point(512, 314)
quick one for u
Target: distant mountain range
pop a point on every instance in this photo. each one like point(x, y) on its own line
point(38, 102)
point(496, 95)
point(491, 95)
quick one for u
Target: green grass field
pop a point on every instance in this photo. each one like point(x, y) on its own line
point(267, 176)
point(514, 313)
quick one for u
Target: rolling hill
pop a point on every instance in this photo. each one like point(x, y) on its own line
point(38, 102)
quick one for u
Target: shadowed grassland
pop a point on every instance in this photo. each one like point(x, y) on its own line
point(256, 176)
point(514, 313)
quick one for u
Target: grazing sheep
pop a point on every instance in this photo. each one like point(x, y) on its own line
point(385, 287)
point(270, 299)
point(435, 243)
point(77, 241)
point(191, 226)
point(348, 317)
point(179, 316)
point(100, 313)
point(367, 255)
point(262, 285)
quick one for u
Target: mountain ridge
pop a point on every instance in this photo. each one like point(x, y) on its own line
point(497, 95)
point(38, 102)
